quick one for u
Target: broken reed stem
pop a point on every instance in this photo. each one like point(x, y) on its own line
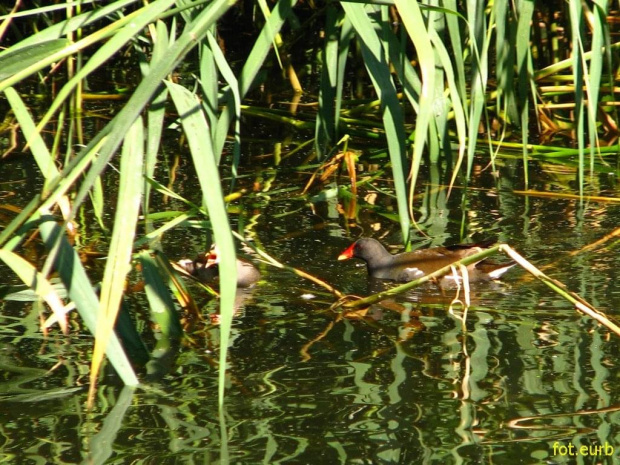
point(351, 302)
point(579, 303)
point(272, 261)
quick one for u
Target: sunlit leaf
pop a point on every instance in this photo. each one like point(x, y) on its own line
point(195, 127)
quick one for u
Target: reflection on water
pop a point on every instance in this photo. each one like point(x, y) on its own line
point(403, 383)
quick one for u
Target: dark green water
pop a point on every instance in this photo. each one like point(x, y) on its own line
point(530, 380)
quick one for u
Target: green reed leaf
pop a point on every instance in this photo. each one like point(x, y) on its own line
point(197, 130)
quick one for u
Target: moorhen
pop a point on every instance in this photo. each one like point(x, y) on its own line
point(205, 269)
point(407, 266)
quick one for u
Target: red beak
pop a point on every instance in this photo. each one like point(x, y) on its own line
point(212, 259)
point(347, 253)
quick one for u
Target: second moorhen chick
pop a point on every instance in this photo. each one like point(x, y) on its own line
point(407, 266)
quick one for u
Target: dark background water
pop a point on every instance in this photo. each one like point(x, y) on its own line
point(404, 384)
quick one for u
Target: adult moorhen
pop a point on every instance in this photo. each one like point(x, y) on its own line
point(407, 266)
point(205, 269)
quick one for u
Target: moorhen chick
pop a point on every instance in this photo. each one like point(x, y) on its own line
point(407, 266)
point(205, 269)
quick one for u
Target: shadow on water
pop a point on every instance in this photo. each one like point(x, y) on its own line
point(402, 383)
